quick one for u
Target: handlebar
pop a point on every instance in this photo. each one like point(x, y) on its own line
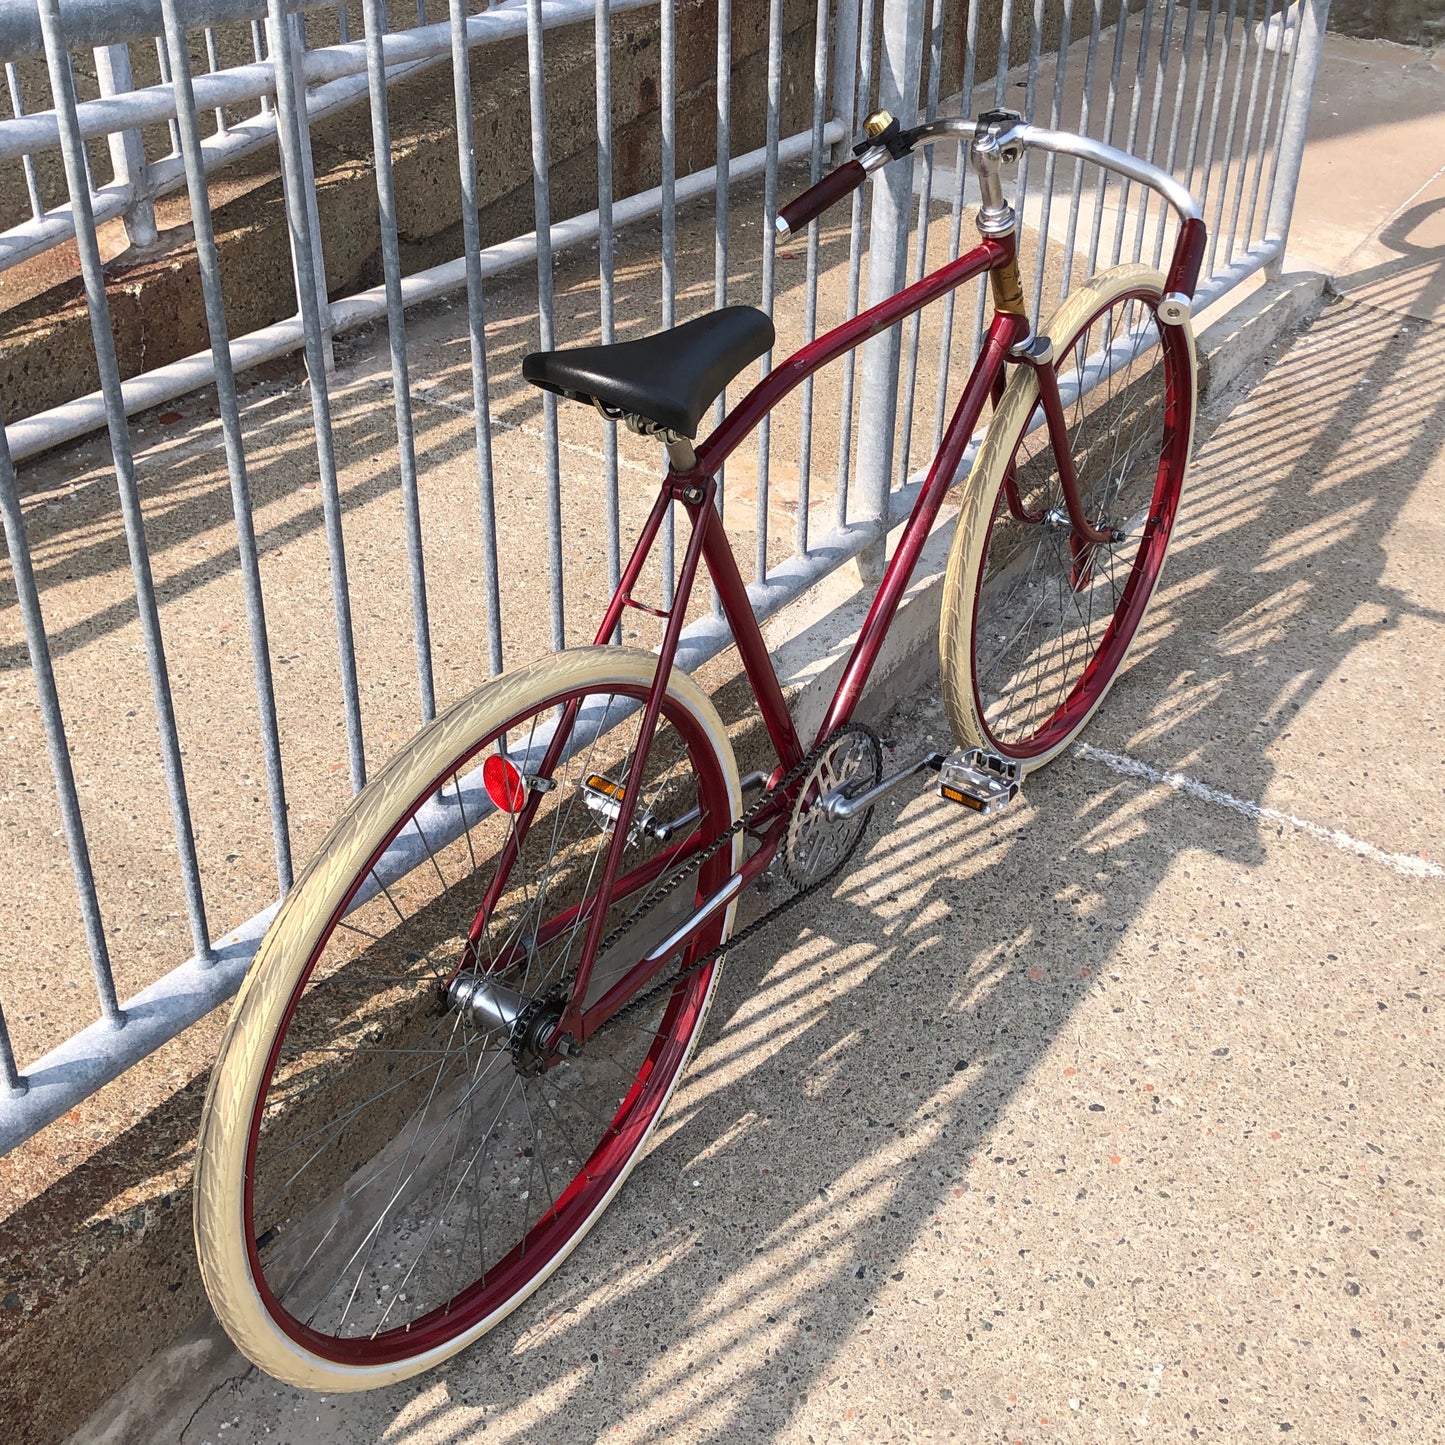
point(1084, 148)
point(1005, 142)
point(817, 198)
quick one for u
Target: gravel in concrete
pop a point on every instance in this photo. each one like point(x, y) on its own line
point(1111, 1118)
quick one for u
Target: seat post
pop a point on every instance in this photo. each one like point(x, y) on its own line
point(680, 454)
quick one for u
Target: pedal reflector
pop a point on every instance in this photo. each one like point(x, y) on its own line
point(604, 796)
point(954, 795)
point(503, 782)
point(598, 784)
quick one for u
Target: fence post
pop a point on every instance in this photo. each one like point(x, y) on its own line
point(27, 597)
point(127, 151)
point(294, 47)
point(293, 144)
point(845, 76)
point(77, 181)
point(1309, 35)
point(900, 65)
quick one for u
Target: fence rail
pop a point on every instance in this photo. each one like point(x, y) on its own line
point(334, 77)
point(1217, 91)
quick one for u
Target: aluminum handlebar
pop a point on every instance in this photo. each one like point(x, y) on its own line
point(1062, 142)
point(1037, 137)
point(1004, 143)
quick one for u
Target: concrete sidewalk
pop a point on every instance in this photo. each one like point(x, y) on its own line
point(986, 1139)
point(1111, 1118)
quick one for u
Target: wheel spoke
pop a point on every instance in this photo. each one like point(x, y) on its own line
point(438, 1158)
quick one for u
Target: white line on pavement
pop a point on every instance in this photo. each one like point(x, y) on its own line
point(1405, 863)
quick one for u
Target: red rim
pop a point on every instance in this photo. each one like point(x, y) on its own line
point(1148, 562)
point(533, 1256)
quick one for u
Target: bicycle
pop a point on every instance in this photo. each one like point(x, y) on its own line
point(472, 1008)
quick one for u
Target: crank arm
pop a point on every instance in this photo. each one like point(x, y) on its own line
point(841, 805)
point(664, 832)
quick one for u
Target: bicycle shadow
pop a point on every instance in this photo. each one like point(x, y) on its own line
point(867, 1050)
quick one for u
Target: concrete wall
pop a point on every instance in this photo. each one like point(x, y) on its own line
point(1408, 22)
point(46, 355)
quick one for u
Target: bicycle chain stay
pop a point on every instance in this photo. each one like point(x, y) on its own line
point(794, 775)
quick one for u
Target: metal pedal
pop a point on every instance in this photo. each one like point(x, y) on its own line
point(979, 780)
point(603, 797)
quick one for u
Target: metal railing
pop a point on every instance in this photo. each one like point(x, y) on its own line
point(1216, 91)
point(240, 97)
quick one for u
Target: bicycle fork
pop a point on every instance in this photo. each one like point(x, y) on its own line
point(997, 218)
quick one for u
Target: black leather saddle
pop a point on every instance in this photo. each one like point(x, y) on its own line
point(668, 379)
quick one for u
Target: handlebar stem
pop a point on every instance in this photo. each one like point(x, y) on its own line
point(1011, 140)
point(999, 137)
point(993, 147)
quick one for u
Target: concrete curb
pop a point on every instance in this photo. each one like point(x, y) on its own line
point(810, 643)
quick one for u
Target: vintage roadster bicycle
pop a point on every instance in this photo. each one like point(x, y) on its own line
point(470, 1012)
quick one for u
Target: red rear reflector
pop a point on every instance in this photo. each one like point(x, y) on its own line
point(504, 783)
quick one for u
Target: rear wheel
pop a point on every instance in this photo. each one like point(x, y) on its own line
point(390, 1163)
point(1036, 622)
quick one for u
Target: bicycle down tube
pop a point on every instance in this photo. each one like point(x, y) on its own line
point(708, 543)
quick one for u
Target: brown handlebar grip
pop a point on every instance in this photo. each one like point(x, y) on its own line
point(1188, 258)
point(816, 199)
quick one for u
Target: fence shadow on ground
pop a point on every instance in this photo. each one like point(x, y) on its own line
point(853, 1078)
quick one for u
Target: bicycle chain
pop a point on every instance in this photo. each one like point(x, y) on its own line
point(794, 774)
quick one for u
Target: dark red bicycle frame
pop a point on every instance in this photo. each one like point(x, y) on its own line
point(708, 545)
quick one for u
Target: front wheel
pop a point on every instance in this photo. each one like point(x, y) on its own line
point(394, 1153)
point(1037, 622)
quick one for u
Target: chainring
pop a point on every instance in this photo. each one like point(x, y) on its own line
point(818, 846)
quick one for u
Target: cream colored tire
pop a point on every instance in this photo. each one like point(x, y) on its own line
point(960, 626)
point(261, 1008)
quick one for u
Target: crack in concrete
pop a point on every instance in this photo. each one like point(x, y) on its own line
point(209, 1396)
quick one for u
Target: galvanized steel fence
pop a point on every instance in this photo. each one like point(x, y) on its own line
point(1217, 91)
